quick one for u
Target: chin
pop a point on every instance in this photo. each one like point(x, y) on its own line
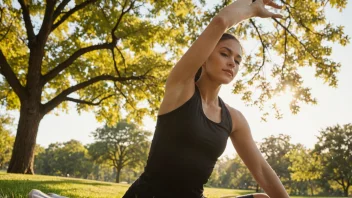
point(225, 80)
point(222, 79)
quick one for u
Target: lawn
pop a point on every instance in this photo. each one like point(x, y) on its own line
point(17, 186)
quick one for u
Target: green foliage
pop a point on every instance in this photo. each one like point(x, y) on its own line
point(134, 30)
point(64, 159)
point(301, 39)
point(274, 150)
point(6, 141)
point(231, 173)
point(106, 57)
point(123, 145)
point(305, 167)
point(335, 148)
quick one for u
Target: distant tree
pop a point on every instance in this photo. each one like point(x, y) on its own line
point(69, 158)
point(274, 149)
point(305, 166)
point(335, 148)
point(231, 173)
point(6, 141)
point(122, 145)
point(220, 176)
point(241, 178)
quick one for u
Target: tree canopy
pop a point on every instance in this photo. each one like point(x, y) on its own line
point(113, 54)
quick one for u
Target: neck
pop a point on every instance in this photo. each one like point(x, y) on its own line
point(208, 90)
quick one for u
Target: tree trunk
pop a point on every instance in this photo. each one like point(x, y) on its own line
point(23, 150)
point(311, 187)
point(118, 172)
point(345, 191)
point(257, 189)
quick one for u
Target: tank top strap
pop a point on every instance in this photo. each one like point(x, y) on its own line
point(225, 116)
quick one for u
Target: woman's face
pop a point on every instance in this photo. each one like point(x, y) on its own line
point(223, 63)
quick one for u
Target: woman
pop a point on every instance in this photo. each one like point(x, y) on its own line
point(194, 123)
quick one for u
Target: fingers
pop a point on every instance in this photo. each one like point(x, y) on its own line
point(276, 15)
point(261, 11)
point(274, 5)
point(271, 14)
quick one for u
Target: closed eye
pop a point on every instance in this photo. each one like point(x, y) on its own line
point(223, 54)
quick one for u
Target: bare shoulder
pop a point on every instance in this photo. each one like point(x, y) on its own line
point(238, 119)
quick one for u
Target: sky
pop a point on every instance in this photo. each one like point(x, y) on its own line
point(334, 106)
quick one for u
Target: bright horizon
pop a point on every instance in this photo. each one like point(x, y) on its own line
point(332, 108)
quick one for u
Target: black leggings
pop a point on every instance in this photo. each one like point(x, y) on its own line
point(142, 188)
point(246, 196)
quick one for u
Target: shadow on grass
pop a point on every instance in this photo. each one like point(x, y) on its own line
point(69, 188)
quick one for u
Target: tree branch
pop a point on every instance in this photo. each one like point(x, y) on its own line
point(114, 37)
point(300, 42)
point(59, 8)
point(295, 37)
point(27, 22)
point(10, 76)
point(47, 24)
point(123, 58)
point(263, 50)
point(338, 181)
point(123, 12)
point(285, 51)
point(300, 22)
point(115, 64)
point(88, 102)
point(62, 66)
point(70, 12)
point(63, 95)
point(127, 100)
point(8, 29)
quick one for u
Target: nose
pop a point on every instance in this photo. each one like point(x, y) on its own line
point(231, 64)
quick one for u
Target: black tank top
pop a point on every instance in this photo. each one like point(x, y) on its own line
point(186, 144)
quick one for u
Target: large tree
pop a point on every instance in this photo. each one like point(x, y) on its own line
point(90, 52)
point(122, 146)
point(106, 53)
point(335, 148)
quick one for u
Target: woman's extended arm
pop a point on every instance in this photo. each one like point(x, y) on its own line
point(191, 61)
point(248, 151)
point(180, 83)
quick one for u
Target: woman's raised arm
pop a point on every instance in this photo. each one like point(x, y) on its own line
point(186, 68)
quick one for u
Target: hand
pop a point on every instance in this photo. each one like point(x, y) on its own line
point(260, 10)
point(245, 9)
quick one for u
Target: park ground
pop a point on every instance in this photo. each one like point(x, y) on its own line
point(18, 185)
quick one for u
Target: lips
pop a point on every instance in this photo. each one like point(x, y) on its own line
point(228, 71)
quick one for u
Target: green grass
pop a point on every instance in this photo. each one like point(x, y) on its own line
point(18, 185)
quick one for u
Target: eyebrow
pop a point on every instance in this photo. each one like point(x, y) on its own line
point(230, 51)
